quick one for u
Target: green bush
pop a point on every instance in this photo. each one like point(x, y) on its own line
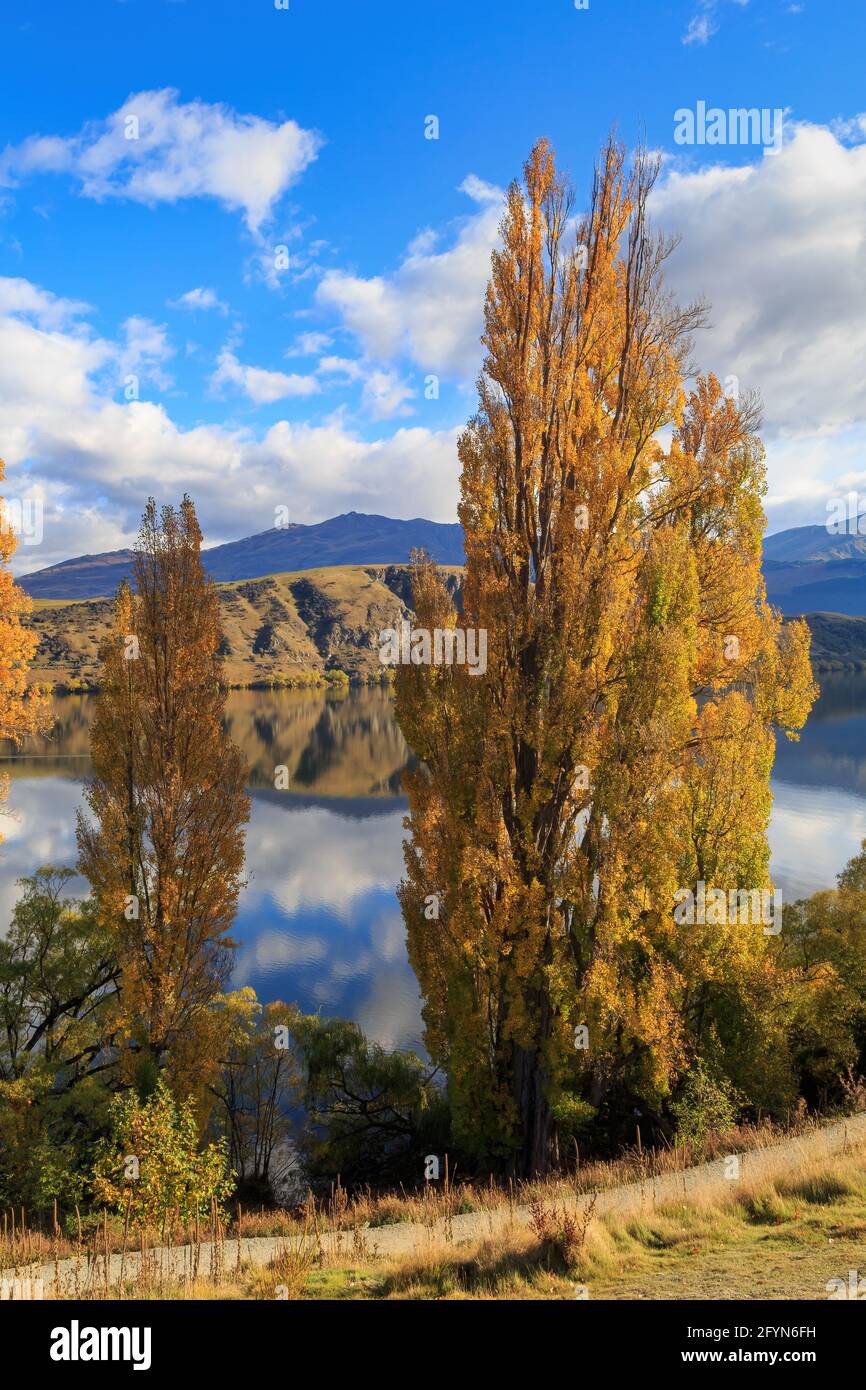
point(706, 1104)
point(153, 1163)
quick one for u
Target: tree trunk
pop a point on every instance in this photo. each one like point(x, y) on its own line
point(536, 1131)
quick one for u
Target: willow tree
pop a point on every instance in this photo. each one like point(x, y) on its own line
point(164, 851)
point(23, 708)
point(618, 748)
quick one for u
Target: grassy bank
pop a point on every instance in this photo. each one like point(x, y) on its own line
point(780, 1238)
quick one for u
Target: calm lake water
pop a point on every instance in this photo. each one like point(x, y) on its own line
point(319, 921)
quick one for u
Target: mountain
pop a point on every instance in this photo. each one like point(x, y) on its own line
point(832, 586)
point(295, 622)
point(809, 569)
point(352, 539)
point(805, 543)
point(838, 642)
point(278, 629)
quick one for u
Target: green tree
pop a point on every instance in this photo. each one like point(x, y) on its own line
point(371, 1116)
point(823, 948)
point(258, 1092)
point(58, 984)
point(153, 1164)
point(58, 1020)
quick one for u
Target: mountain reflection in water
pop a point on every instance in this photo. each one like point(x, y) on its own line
point(318, 921)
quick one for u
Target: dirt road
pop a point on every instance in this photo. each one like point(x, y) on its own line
point(67, 1277)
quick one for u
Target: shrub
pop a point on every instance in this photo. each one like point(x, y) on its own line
point(153, 1162)
point(706, 1105)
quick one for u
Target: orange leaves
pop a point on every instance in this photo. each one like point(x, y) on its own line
point(168, 796)
point(23, 709)
point(618, 579)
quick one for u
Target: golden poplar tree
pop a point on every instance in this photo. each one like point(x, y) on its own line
point(618, 747)
point(23, 709)
point(164, 851)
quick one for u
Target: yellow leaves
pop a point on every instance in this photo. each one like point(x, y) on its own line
point(168, 797)
point(23, 709)
point(785, 687)
point(637, 646)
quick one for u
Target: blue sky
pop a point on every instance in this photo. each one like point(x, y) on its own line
point(153, 340)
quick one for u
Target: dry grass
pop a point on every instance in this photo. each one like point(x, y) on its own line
point(369, 1210)
point(780, 1238)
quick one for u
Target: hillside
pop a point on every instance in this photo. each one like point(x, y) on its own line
point(803, 543)
point(807, 569)
point(809, 586)
point(300, 601)
point(838, 642)
point(352, 539)
point(291, 627)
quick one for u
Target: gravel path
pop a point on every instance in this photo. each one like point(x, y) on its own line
point(69, 1277)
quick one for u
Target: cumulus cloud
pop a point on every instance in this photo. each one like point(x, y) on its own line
point(348, 368)
point(199, 298)
point(778, 247)
point(309, 344)
point(18, 296)
point(385, 395)
point(157, 149)
point(144, 351)
point(262, 386)
point(430, 309)
point(95, 460)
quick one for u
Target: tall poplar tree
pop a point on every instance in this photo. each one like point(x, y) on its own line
point(164, 851)
point(618, 748)
point(23, 708)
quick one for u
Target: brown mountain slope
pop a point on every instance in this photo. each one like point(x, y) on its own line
point(292, 628)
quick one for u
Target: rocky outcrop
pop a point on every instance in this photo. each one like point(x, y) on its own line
point(280, 628)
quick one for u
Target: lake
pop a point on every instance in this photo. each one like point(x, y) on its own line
point(319, 921)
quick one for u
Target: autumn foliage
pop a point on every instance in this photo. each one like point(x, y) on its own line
point(619, 747)
point(23, 710)
point(164, 847)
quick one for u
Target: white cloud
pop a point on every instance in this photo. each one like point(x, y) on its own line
point(199, 298)
point(704, 22)
point(18, 296)
point(385, 395)
point(778, 247)
point(700, 29)
point(430, 309)
point(309, 345)
point(157, 149)
point(96, 460)
point(262, 386)
point(346, 367)
point(144, 349)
